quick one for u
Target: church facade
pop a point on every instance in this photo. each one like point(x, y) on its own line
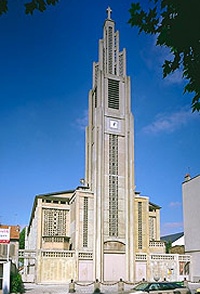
point(103, 229)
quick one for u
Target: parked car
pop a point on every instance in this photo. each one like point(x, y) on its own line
point(160, 288)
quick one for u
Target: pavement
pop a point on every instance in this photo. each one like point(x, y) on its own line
point(64, 288)
point(193, 287)
point(83, 289)
point(45, 289)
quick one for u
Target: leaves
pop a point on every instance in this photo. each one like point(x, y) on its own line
point(38, 5)
point(30, 7)
point(176, 25)
point(17, 285)
point(3, 6)
point(146, 22)
point(22, 239)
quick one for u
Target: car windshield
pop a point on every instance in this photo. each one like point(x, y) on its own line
point(177, 284)
point(141, 287)
point(167, 286)
point(155, 286)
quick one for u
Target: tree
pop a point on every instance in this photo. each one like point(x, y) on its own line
point(22, 239)
point(168, 246)
point(176, 25)
point(30, 6)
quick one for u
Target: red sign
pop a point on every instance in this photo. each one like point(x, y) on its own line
point(5, 236)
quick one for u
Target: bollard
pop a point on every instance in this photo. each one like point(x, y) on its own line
point(72, 287)
point(96, 286)
point(185, 282)
point(120, 286)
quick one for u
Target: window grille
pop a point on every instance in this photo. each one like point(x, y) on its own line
point(113, 185)
point(139, 225)
point(121, 64)
point(96, 72)
point(152, 233)
point(110, 49)
point(54, 222)
point(85, 222)
point(113, 94)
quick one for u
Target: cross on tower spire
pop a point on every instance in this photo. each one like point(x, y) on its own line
point(109, 11)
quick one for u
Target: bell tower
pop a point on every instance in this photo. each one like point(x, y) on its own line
point(109, 169)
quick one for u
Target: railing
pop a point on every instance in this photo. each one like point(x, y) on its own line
point(56, 239)
point(58, 253)
point(24, 253)
point(156, 244)
point(100, 287)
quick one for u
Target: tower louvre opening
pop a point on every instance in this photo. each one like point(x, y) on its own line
point(113, 94)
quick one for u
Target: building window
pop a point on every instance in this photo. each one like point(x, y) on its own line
point(121, 64)
point(152, 228)
point(139, 225)
point(3, 250)
point(85, 222)
point(54, 222)
point(113, 94)
point(113, 185)
point(96, 72)
point(110, 50)
point(95, 97)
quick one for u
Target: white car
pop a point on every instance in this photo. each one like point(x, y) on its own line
point(160, 288)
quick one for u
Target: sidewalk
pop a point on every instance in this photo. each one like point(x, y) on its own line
point(63, 288)
point(45, 289)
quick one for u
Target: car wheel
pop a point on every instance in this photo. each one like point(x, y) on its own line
point(177, 292)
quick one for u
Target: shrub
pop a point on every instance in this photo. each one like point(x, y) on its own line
point(17, 285)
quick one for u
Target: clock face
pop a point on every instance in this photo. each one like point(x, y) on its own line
point(114, 124)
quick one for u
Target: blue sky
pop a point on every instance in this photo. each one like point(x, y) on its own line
point(45, 76)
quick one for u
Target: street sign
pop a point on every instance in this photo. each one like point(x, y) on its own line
point(5, 236)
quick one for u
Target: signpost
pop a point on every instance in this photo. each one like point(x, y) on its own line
point(5, 239)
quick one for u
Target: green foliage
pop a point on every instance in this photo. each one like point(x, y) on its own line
point(17, 285)
point(176, 24)
point(30, 6)
point(3, 6)
point(40, 5)
point(22, 239)
point(168, 246)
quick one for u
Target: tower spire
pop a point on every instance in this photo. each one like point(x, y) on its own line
point(110, 157)
point(109, 11)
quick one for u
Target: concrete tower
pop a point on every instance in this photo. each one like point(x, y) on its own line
point(103, 229)
point(110, 160)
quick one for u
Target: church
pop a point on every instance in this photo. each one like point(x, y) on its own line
point(103, 229)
